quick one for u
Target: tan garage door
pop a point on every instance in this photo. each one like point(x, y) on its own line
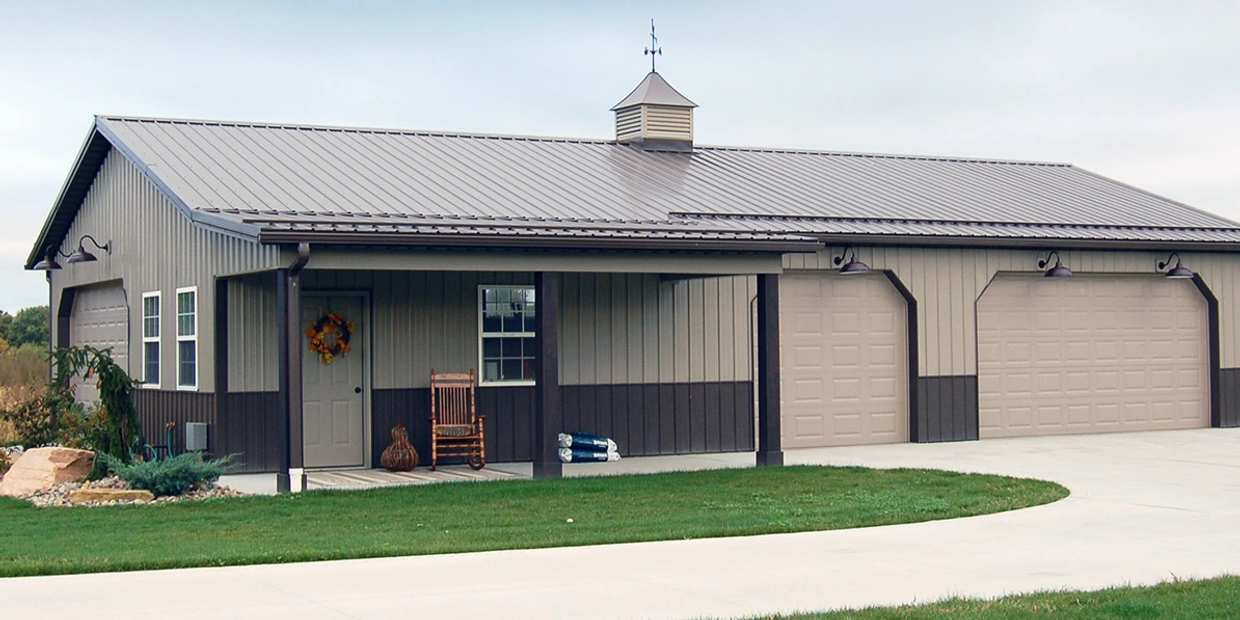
point(844, 360)
point(1091, 354)
point(100, 319)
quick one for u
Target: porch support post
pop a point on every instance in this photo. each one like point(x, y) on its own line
point(547, 405)
point(770, 450)
point(292, 476)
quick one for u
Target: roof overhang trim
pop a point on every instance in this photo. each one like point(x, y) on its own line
point(577, 243)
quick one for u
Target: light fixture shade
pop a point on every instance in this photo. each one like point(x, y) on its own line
point(854, 266)
point(1180, 272)
point(1058, 271)
point(81, 256)
point(47, 264)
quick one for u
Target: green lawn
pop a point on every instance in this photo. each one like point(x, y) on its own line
point(1211, 598)
point(445, 518)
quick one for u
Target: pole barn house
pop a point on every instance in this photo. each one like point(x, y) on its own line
point(679, 298)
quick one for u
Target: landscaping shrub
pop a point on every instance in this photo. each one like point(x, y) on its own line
point(113, 428)
point(27, 416)
point(173, 476)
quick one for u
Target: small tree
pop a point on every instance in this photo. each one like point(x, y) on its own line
point(119, 433)
point(28, 326)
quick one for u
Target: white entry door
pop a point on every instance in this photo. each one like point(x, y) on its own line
point(334, 395)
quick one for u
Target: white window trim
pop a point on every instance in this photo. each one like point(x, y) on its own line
point(176, 326)
point(482, 382)
point(159, 317)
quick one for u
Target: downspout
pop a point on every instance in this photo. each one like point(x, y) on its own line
point(299, 263)
point(289, 288)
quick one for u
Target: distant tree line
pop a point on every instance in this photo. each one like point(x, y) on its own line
point(27, 327)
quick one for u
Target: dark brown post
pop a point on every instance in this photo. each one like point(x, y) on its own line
point(548, 416)
point(770, 451)
point(220, 356)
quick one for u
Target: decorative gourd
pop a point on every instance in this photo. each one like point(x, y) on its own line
point(400, 455)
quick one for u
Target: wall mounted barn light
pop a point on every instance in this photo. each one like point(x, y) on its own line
point(81, 255)
point(1177, 272)
point(853, 265)
point(1058, 271)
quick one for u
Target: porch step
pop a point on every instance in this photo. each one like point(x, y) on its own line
point(355, 479)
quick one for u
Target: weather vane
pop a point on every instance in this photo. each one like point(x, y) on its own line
point(654, 46)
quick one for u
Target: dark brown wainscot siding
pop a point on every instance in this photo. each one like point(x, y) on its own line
point(156, 408)
point(643, 419)
point(946, 408)
point(1229, 397)
point(249, 428)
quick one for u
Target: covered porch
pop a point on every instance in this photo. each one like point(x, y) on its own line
point(361, 479)
point(668, 354)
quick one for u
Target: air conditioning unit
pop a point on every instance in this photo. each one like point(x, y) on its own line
point(196, 436)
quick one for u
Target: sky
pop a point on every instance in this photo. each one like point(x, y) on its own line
point(1148, 93)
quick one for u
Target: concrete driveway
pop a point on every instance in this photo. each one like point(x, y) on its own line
point(1144, 508)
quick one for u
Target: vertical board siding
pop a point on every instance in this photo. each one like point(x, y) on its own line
point(155, 247)
point(1229, 398)
point(615, 328)
point(947, 282)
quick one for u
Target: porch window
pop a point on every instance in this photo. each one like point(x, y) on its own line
point(150, 339)
point(187, 338)
point(507, 349)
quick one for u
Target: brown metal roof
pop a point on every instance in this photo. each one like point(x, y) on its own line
point(654, 90)
point(273, 180)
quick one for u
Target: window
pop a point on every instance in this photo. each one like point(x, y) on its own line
point(187, 338)
point(150, 339)
point(507, 348)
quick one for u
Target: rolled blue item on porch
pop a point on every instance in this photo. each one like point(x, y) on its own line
point(569, 455)
point(585, 441)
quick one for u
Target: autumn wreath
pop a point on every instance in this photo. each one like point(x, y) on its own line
point(330, 337)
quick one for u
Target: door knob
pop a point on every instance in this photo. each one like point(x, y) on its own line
point(357, 390)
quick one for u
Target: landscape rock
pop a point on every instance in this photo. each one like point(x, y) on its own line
point(40, 469)
point(106, 495)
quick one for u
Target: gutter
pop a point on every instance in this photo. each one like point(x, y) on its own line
point(1024, 242)
point(405, 239)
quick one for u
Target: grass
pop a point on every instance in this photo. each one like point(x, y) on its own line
point(1209, 598)
point(446, 518)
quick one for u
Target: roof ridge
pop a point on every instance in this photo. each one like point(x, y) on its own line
point(790, 217)
point(431, 133)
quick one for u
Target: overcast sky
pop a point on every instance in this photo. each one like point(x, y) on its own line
point(1148, 93)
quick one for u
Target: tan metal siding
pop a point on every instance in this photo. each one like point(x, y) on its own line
point(615, 328)
point(155, 248)
point(252, 355)
point(947, 282)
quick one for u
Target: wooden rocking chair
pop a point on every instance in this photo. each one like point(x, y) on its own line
point(456, 427)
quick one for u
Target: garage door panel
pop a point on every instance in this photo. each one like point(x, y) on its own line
point(844, 374)
point(1096, 354)
point(100, 318)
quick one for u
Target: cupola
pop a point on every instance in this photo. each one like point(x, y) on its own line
point(655, 115)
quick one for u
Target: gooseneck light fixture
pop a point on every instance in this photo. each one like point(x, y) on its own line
point(81, 255)
point(1176, 272)
point(1057, 271)
point(853, 266)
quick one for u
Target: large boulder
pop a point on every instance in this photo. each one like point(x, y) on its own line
point(40, 469)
